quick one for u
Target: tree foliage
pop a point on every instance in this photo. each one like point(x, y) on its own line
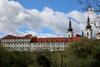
point(85, 53)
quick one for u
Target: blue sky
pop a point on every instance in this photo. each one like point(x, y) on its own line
point(57, 5)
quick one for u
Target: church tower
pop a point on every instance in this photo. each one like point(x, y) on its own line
point(88, 29)
point(70, 30)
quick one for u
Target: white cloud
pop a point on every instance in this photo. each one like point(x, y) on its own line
point(40, 34)
point(13, 16)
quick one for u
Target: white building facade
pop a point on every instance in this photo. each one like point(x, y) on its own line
point(11, 42)
point(30, 43)
point(49, 44)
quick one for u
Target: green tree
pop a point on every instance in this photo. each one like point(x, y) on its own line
point(83, 54)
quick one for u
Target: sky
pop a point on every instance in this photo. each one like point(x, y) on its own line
point(42, 18)
point(57, 5)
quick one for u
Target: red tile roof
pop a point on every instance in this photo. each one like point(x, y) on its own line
point(48, 40)
point(43, 40)
point(29, 36)
point(57, 39)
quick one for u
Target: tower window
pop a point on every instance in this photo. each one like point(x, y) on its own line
point(87, 33)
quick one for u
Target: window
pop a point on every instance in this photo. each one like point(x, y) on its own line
point(17, 47)
point(23, 47)
point(20, 47)
point(11, 47)
point(14, 47)
point(27, 47)
point(8, 47)
point(87, 33)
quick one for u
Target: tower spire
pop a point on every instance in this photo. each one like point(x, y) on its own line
point(70, 26)
point(88, 29)
point(70, 30)
point(82, 34)
point(88, 23)
point(88, 19)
